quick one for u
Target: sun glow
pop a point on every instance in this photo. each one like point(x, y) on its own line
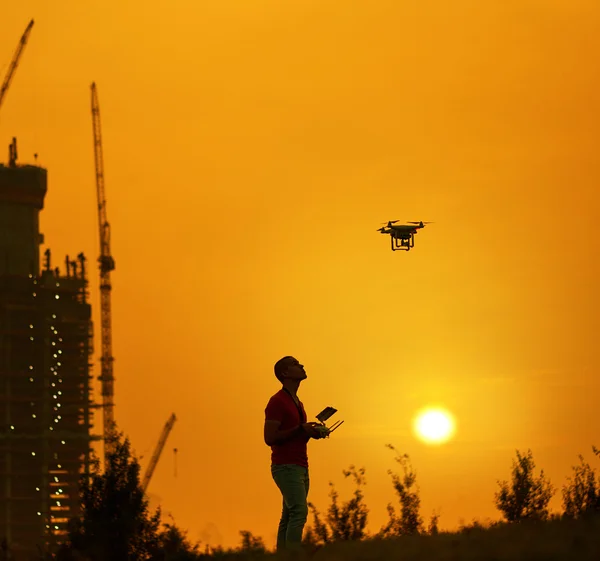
point(434, 426)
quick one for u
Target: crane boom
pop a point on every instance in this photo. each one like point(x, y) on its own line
point(107, 264)
point(15, 62)
point(158, 451)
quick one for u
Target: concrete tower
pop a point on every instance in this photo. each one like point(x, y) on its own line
point(22, 192)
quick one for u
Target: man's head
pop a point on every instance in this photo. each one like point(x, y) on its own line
point(289, 368)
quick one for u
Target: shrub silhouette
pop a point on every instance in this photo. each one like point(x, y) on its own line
point(251, 543)
point(117, 525)
point(527, 497)
point(349, 521)
point(343, 523)
point(115, 522)
point(409, 521)
point(175, 546)
point(581, 494)
point(433, 528)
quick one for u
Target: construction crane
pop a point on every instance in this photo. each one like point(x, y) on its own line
point(157, 452)
point(14, 63)
point(107, 264)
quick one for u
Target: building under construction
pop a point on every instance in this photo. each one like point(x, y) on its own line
point(45, 370)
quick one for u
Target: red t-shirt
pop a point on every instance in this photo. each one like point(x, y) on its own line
point(282, 407)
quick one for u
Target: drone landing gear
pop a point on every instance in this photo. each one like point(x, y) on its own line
point(400, 244)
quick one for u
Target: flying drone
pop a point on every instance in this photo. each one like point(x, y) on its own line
point(402, 237)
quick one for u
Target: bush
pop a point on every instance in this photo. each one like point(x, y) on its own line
point(527, 497)
point(581, 494)
point(343, 523)
point(409, 522)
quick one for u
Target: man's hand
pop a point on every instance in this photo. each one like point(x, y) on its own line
point(312, 430)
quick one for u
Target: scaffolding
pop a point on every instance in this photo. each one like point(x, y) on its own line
point(46, 407)
point(45, 403)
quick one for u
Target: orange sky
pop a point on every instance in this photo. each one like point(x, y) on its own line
point(251, 151)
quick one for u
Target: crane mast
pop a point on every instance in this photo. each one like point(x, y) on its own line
point(107, 264)
point(15, 62)
point(158, 451)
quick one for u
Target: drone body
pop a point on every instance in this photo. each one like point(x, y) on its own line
point(402, 237)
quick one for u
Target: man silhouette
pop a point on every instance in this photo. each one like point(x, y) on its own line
point(287, 433)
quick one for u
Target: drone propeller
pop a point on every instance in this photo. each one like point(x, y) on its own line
point(382, 230)
point(389, 223)
point(420, 222)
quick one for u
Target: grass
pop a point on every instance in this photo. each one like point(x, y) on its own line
point(554, 540)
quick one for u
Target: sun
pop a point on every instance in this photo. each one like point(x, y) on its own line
point(434, 425)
